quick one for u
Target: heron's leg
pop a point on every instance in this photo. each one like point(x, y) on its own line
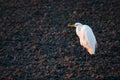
point(86, 58)
point(83, 48)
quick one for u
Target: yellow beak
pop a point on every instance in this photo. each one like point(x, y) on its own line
point(71, 25)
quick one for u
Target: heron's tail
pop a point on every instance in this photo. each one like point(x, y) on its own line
point(90, 50)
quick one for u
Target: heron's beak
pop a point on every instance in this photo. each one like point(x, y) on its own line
point(71, 25)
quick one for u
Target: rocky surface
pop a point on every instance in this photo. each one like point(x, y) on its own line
point(36, 44)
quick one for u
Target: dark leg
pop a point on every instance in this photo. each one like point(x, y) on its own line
point(86, 58)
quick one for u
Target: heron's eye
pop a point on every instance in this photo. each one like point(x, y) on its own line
point(76, 25)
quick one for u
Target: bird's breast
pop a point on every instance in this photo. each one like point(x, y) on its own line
point(78, 31)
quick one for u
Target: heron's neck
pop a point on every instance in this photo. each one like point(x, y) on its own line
point(78, 28)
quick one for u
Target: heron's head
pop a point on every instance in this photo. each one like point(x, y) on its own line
point(75, 25)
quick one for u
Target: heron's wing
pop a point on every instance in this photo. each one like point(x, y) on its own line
point(89, 37)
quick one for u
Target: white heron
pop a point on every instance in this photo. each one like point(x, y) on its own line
point(86, 36)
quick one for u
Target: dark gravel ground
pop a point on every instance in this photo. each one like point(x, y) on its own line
point(35, 43)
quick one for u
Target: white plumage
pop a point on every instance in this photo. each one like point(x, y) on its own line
point(86, 36)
